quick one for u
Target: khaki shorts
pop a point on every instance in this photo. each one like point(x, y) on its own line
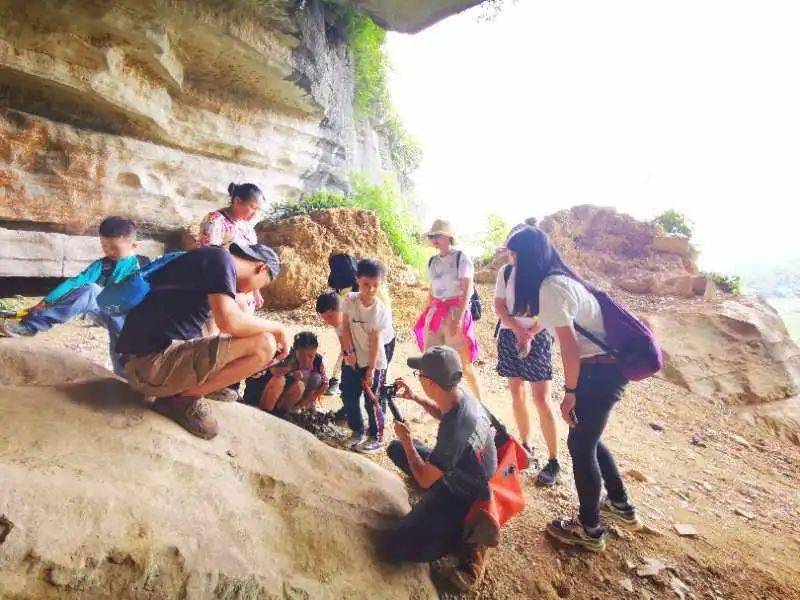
point(443, 337)
point(181, 366)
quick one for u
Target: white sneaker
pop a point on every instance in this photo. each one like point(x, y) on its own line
point(354, 441)
point(224, 395)
point(370, 447)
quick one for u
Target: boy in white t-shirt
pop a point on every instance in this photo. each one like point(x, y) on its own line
point(366, 330)
point(446, 320)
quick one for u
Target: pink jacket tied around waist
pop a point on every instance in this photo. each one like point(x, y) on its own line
point(441, 308)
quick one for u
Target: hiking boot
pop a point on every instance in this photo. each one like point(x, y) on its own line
point(573, 533)
point(224, 395)
point(10, 329)
point(355, 440)
point(333, 388)
point(193, 414)
point(550, 475)
point(623, 513)
point(471, 568)
point(370, 447)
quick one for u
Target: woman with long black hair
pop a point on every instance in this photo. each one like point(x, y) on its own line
point(548, 287)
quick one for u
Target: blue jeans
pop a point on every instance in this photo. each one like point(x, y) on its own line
point(352, 390)
point(599, 389)
point(80, 301)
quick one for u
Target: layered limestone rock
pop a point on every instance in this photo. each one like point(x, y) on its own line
point(38, 254)
point(148, 109)
point(305, 243)
point(103, 498)
point(410, 16)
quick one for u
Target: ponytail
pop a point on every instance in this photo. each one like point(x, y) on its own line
point(243, 191)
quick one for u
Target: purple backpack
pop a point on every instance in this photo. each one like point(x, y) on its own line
point(627, 339)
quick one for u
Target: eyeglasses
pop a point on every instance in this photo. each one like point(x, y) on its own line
point(419, 374)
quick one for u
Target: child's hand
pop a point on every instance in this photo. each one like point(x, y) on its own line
point(403, 391)
point(350, 360)
point(369, 376)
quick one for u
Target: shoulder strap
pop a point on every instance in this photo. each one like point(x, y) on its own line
point(593, 338)
point(507, 273)
point(458, 260)
point(430, 261)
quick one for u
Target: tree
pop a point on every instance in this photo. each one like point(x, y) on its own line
point(675, 222)
point(493, 236)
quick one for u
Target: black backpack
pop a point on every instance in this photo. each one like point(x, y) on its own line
point(475, 306)
point(343, 272)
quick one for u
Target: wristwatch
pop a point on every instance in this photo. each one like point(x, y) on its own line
point(569, 390)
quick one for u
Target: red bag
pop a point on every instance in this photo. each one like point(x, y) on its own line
point(486, 517)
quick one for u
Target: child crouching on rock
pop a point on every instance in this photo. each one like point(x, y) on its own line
point(367, 337)
point(294, 383)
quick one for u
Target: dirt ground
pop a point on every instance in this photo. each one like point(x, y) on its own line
point(740, 490)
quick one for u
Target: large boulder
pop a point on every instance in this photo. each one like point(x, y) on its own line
point(305, 242)
point(735, 351)
point(103, 498)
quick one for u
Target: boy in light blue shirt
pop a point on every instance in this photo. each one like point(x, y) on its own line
point(78, 295)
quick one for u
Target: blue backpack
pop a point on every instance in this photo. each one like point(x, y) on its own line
point(120, 298)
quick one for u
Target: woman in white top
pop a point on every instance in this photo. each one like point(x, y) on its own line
point(447, 320)
point(524, 356)
point(592, 384)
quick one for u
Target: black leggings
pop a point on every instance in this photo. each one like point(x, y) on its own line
point(600, 386)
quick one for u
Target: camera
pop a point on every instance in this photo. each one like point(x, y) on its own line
point(388, 391)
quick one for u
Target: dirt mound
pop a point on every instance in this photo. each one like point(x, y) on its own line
point(615, 250)
point(304, 244)
point(103, 498)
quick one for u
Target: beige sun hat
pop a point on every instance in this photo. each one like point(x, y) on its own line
point(442, 227)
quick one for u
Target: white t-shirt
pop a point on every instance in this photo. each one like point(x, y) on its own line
point(506, 292)
point(446, 273)
point(364, 321)
point(563, 301)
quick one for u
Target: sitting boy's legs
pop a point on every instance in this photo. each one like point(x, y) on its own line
point(82, 300)
point(311, 386)
point(183, 373)
point(291, 395)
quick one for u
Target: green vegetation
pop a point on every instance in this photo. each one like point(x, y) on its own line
point(675, 222)
point(493, 236)
point(727, 283)
point(385, 200)
point(372, 100)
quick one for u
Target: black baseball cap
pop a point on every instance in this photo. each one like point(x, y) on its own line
point(440, 364)
point(260, 253)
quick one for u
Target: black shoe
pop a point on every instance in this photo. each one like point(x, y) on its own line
point(570, 531)
point(550, 475)
point(622, 513)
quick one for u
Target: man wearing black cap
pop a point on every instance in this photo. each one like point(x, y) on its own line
point(455, 472)
point(163, 350)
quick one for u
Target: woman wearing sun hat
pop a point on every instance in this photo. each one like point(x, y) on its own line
point(446, 320)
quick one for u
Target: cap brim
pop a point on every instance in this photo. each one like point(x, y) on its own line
point(415, 362)
point(246, 250)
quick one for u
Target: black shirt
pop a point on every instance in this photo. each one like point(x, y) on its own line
point(465, 450)
point(178, 314)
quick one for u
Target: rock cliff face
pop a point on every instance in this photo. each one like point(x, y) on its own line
point(103, 498)
point(148, 108)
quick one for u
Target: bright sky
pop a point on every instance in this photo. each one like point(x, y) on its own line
point(640, 105)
